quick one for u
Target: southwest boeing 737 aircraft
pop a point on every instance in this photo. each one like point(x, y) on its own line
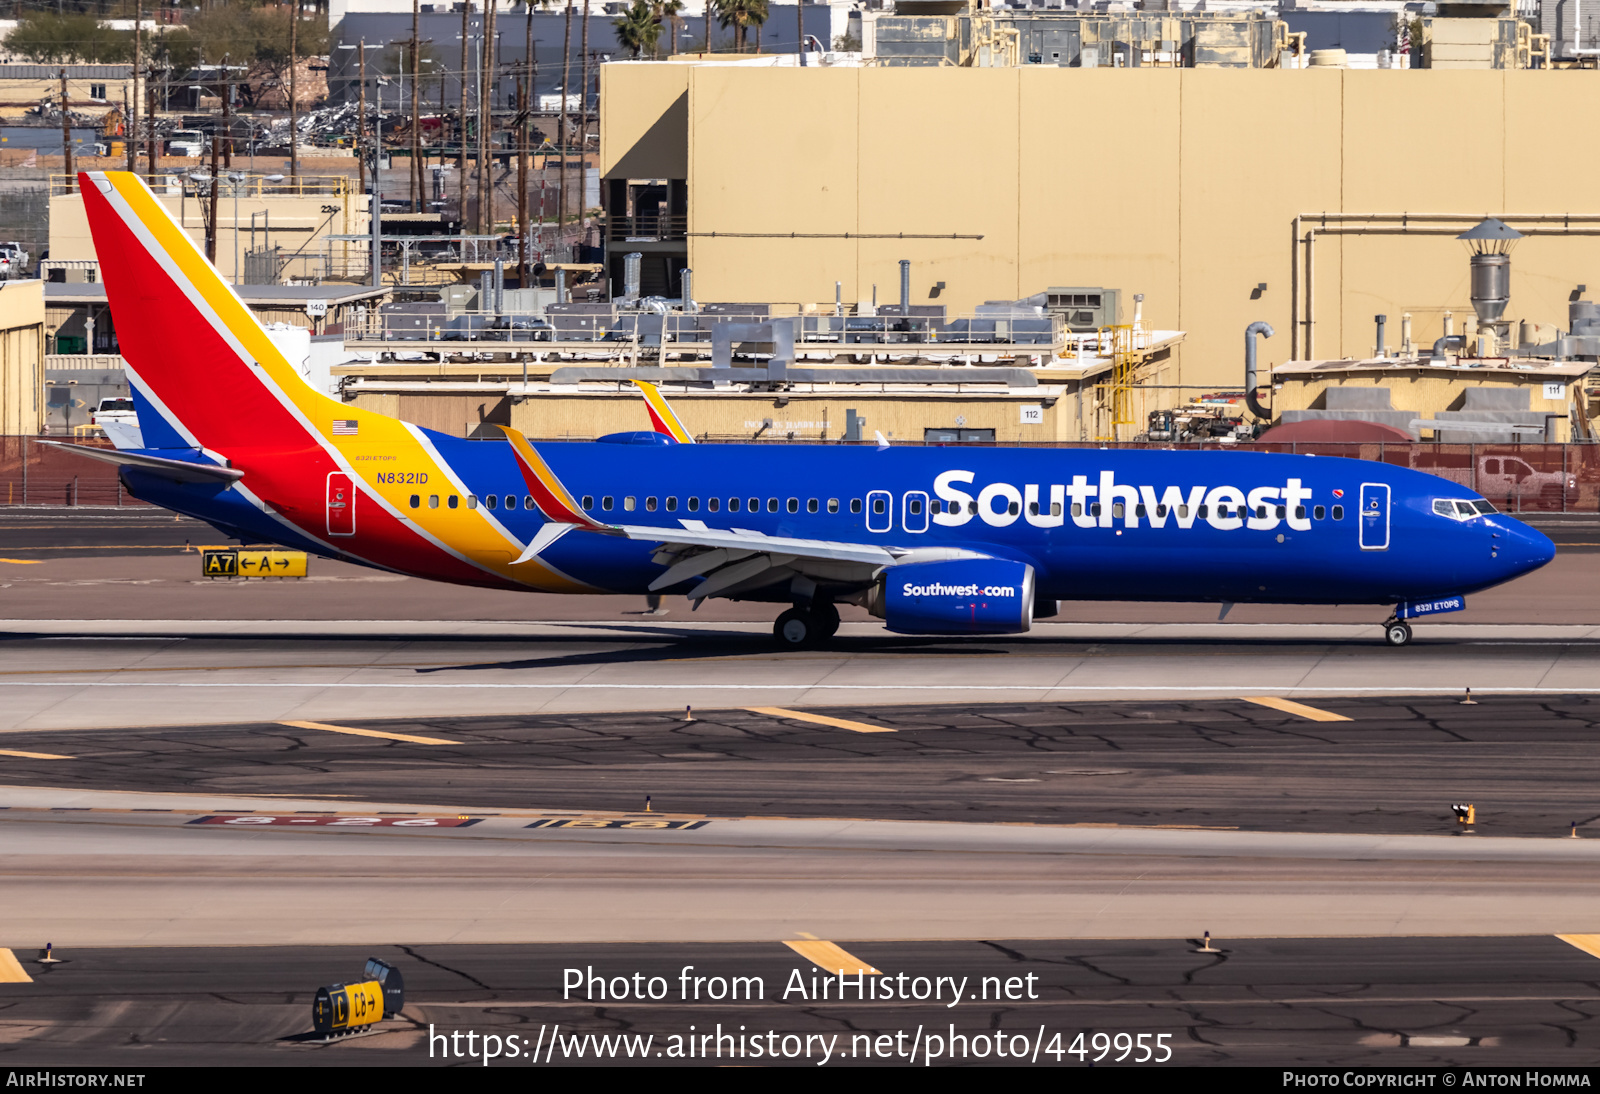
point(931, 540)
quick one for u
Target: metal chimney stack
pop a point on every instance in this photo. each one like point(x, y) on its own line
point(905, 286)
point(1490, 244)
point(631, 263)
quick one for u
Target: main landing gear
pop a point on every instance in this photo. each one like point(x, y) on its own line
point(800, 627)
point(1396, 633)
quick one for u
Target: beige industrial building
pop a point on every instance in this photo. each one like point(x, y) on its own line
point(21, 356)
point(1225, 196)
point(288, 219)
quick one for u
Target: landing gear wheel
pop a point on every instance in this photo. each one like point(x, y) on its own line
point(1397, 634)
point(827, 617)
point(795, 629)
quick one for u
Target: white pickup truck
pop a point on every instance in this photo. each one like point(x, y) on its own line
point(1522, 485)
point(119, 420)
point(13, 260)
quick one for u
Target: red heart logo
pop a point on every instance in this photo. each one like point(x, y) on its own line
point(1338, 493)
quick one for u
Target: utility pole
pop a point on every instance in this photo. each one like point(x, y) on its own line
point(227, 119)
point(377, 190)
point(461, 160)
point(294, 49)
point(418, 195)
point(361, 121)
point(211, 201)
point(66, 127)
point(561, 130)
point(486, 127)
point(131, 129)
point(800, 31)
point(152, 150)
point(522, 179)
point(583, 136)
point(525, 98)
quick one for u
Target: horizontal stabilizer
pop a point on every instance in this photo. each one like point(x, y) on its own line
point(176, 470)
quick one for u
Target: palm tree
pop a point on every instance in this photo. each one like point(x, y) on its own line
point(738, 14)
point(638, 28)
point(670, 12)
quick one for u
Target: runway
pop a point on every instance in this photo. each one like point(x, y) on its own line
point(215, 797)
point(1415, 1003)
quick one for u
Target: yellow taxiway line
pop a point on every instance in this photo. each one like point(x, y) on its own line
point(406, 737)
point(1588, 943)
point(32, 755)
point(11, 971)
point(829, 957)
point(1298, 709)
point(819, 719)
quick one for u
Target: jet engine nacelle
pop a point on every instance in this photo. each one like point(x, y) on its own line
point(957, 596)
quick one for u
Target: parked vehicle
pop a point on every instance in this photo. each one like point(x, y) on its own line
point(13, 260)
point(186, 142)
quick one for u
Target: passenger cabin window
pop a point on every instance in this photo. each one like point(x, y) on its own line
point(1139, 510)
point(794, 505)
point(877, 505)
point(1094, 510)
point(1320, 512)
point(630, 503)
point(1161, 512)
point(692, 504)
point(772, 505)
point(606, 502)
point(472, 501)
point(433, 501)
point(972, 507)
point(812, 505)
point(1183, 512)
point(1077, 508)
point(672, 505)
point(733, 505)
point(455, 502)
point(1338, 512)
point(1282, 511)
point(511, 501)
point(755, 505)
point(916, 507)
point(416, 501)
point(492, 501)
point(833, 505)
point(588, 501)
point(1117, 511)
point(650, 505)
point(713, 504)
point(1200, 512)
point(855, 505)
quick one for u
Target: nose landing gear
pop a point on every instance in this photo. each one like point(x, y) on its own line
point(1396, 633)
point(803, 626)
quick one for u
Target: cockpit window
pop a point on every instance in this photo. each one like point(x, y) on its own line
point(1456, 509)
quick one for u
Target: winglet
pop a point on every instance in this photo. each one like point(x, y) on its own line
point(553, 499)
point(662, 417)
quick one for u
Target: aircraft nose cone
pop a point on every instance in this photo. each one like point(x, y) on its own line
point(1521, 548)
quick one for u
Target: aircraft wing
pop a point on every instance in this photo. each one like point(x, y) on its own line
point(177, 470)
point(741, 561)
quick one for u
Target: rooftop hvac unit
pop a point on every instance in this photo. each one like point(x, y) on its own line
point(1084, 309)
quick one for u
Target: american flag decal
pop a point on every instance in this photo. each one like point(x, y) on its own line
point(344, 427)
